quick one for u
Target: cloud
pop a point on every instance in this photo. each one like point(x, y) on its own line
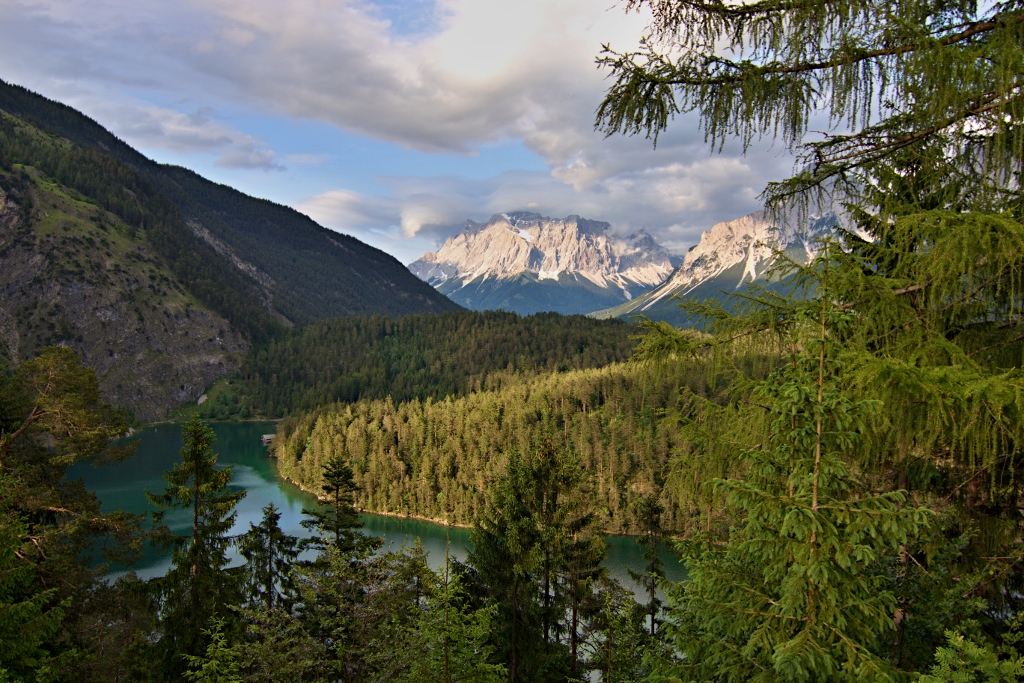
point(173, 130)
point(446, 77)
point(674, 202)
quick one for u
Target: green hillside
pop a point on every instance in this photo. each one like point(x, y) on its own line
point(412, 357)
point(77, 275)
point(439, 459)
point(160, 280)
point(292, 270)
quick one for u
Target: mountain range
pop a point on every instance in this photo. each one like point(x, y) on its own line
point(729, 256)
point(158, 278)
point(528, 263)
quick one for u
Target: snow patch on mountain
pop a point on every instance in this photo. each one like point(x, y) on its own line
point(511, 244)
point(752, 241)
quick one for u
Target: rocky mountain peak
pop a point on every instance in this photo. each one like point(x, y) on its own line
point(512, 245)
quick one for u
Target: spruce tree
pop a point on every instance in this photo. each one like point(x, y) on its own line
point(448, 643)
point(29, 617)
point(198, 587)
point(648, 516)
point(269, 554)
point(507, 554)
point(337, 524)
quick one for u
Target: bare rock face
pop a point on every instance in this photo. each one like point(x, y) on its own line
point(74, 275)
point(728, 256)
point(524, 260)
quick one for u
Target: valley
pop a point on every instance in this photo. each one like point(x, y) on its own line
point(240, 445)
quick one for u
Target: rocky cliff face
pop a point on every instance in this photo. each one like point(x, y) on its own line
point(524, 262)
point(728, 256)
point(72, 274)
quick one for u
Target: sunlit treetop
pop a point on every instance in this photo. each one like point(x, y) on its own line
point(936, 78)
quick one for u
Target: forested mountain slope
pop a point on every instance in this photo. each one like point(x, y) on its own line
point(300, 271)
point(76, 275)
point(412, 357)
point(158, 278)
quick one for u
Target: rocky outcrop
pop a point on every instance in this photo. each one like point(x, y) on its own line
point(74, 275)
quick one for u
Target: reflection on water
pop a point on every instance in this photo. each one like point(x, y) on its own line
point(123, 486)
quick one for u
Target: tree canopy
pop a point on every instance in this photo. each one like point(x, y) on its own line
point(935, 78)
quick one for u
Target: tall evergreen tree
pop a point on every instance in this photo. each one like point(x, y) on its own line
point(448, 641)
point(648, 515)
point(53, 531)
point(508, 556)
point(338, 523)
point(793, 591)
point(269, 555)
point(198, 587)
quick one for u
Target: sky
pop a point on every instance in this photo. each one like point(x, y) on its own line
point(394, 121)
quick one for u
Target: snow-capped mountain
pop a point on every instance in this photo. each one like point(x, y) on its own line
point(728, 256)
point(527, 263)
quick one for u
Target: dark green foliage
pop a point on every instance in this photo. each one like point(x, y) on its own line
point(448, 641)
point(648, 513)
point(269, 555)
point(419, 357)
point(29, 615)
point(940, 78)
point(438, 459)
point(51, 416)
point(219, 664)
point(337, 524)
point(508, 556)
point(197, 588)
point(124, 192)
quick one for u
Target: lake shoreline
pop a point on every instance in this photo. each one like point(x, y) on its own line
point(395, 515)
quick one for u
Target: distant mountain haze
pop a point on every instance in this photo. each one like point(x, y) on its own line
point(528, 263)
point(729, 256)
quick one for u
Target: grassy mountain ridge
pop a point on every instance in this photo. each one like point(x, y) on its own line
point(295, 270)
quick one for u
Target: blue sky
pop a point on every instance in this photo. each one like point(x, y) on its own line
point(395, 120)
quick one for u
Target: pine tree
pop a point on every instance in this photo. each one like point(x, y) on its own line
point(54, 533)
point(930, 78)
point(648, 513)
point(336, 524)
point(219, 664)
point(507, 554)
point(448, 643)
point(198, 587)
point(269, 554)
point(29, 619)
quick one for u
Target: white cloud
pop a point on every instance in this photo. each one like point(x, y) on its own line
point(465, 74)
point(170, 129)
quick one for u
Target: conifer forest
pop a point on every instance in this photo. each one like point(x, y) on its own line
point(834, 462)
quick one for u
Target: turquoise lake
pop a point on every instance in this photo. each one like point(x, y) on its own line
point(123, 486)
